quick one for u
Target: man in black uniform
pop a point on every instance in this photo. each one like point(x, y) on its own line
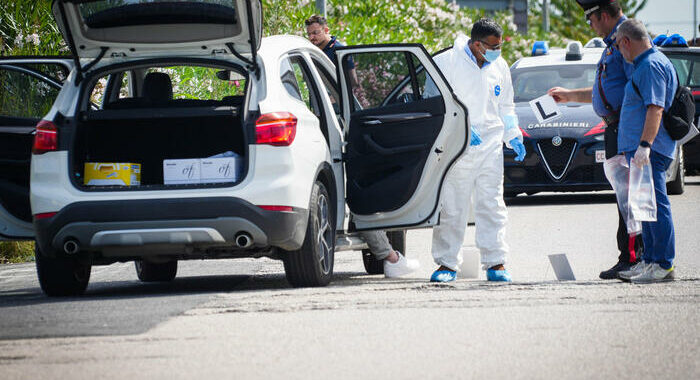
point(604, 16)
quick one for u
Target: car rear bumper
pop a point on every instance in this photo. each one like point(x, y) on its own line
point(119, 228)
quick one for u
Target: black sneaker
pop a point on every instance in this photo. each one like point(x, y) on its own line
point(611, 274)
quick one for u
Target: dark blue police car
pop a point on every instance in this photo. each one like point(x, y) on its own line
point(567, 154)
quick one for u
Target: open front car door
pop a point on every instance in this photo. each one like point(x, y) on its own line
point(406, 129)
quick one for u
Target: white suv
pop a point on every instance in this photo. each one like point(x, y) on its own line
point(303, 145)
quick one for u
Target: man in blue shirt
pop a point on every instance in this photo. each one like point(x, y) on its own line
point(604, 17)
point(643, 139)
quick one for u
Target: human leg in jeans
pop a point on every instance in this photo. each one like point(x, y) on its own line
point(395, 263)
point(659, 236)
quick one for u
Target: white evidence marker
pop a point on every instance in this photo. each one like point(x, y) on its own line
point(561, 267)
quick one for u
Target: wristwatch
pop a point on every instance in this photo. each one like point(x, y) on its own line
point(644, 144)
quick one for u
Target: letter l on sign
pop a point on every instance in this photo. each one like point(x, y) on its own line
point(545, 109)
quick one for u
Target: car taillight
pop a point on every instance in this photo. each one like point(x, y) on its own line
point(275, 208)
point(598, 129)
point(277, 128)
point(45, 215)
point(45, 137)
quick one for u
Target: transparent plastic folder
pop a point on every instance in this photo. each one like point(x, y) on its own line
point(617, 172)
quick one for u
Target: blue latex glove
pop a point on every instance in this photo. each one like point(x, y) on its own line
point(476, 138)
point(519, 148)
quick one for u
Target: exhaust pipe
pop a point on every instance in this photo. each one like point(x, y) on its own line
point(243, 240)
point(71, 247)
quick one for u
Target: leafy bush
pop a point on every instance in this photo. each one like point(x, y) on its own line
point(16, 251)
point(28, 28)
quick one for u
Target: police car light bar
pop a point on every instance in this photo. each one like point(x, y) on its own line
point(540, 48)
point(574, 51)
point(596, 42)
point(659, 39)
point(675, 40)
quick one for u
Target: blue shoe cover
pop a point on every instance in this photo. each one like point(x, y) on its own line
point(498, 275)
point(443, 276)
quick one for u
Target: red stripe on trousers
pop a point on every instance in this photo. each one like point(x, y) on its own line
point(633, 254)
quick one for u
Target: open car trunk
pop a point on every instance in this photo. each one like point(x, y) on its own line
point(149, 136)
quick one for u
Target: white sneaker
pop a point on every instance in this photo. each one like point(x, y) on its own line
point(654, 273)
point(636, 270)
point(400, 268)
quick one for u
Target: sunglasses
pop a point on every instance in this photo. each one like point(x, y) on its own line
point(492, 47)
point(588, 17)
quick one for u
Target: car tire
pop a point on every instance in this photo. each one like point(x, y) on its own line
point(312, 264)
point(61, 277)
point(677, 186)
point(155, 272)
point(397, 239)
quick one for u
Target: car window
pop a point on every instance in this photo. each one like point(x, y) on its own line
point(381, 78)
point(404, 92)
point(24, 93)
point(688, 69)
point(330, 85)
point(682, 68)
point(377, 74)
point(424, 79)
point(190, 86)
point(534, 82)
point(296, 79)
point(202, 83)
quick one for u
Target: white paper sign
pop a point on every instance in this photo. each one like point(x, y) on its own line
point(545, 109)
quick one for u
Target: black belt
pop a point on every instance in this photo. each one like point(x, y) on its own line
point(611, 119)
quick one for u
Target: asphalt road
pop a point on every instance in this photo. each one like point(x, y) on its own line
point(239, 318)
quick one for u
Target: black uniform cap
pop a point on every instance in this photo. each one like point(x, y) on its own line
point(590, 6)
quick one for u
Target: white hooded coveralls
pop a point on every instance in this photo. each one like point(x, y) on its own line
point(488, 94)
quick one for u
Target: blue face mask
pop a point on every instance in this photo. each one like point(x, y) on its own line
point(492, 55)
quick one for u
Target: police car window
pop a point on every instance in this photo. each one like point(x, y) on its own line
point(531, 83)
point(682, 67)
point(695, 75)
point(381, 76)
point(688, 69)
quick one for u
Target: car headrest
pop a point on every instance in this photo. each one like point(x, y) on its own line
point(157, 87)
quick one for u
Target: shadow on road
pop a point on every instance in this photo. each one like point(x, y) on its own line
point(106, 290)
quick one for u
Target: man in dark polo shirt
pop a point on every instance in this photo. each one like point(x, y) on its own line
point(318, 33)
point(612, 74)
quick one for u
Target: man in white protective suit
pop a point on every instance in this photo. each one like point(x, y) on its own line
point(481, 80)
